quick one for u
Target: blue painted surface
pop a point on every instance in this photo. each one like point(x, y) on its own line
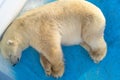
point(78, 65)
point(4, 76)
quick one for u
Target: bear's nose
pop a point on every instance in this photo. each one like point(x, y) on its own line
point(14, 64)
point(18, 59)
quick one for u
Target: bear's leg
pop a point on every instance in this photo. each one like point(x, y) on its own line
point(46, 65)
point(85, 46)
point(96, 47)
point(52, 52)
point(92, 36)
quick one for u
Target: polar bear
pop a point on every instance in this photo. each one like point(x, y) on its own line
point(66, 22)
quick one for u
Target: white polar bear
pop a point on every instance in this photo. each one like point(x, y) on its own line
point(66, 22)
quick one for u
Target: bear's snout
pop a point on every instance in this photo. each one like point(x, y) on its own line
point(14, 60)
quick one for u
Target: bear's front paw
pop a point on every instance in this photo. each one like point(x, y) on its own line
point(57, 70)
point(48, 69)
point(54, 70)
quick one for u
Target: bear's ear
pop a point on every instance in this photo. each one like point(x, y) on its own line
point(10, 42)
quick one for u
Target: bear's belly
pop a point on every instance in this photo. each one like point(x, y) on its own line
point(71, 34)
point(72, 38)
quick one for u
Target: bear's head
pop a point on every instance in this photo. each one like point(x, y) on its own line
point(11, 47)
